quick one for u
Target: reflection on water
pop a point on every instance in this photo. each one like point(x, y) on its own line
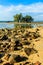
point(6, 25)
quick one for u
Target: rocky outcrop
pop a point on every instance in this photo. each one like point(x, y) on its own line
point(16, 45)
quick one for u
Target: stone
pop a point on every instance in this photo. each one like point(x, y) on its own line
point(18, 45)
point(26, 63)
point(1, 55)
point(4, 37)
point(27, 43)
point(30, 51)
point(1, 61)
point(37, 63)
point(19, 58)
point(8, 64)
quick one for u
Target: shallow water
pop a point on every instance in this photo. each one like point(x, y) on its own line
point(6, 25)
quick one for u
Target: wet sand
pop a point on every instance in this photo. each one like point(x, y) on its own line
point(21, 46)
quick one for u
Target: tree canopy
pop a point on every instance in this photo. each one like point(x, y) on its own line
point(21, 18)
point(18, 17)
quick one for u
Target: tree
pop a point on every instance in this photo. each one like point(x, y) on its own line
point(18, 17)
point(27, 18)
point(21, 18)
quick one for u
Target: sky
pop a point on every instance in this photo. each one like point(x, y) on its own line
point(9, 8)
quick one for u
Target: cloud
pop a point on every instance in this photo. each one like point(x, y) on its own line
point(35, 10)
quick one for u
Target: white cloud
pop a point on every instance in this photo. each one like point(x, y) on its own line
point(35, 10)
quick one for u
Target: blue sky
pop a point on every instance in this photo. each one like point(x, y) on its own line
point(8, 8)
point(16, 2)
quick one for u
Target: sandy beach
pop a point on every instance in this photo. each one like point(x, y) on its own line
point(21, 46)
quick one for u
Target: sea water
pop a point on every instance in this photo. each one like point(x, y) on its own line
point(10, 26)
point(6, 25)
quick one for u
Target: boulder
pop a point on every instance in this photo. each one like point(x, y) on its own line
point(30, 51)
point(19, 58)
point(5, 37)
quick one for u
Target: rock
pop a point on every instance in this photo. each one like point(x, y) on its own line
point(20, 64)
point(18, 45)
point(17, 41)
point(5, 49)
point(6, 57)
point(27, 43)
point(1, 61)
point(8, 46)
point(4, 45)
point(12, 58)
point(26, 63)
point(1, 44)
point(30, 51)
point(36, 35)
point(1, 55)
point(19, 58)
point(2, 51)
point(26, 35)
point(30, 38)
point(37, 30)
point(3, 30)
point(9, 40)
point(37, 63)
point(4, 37)
point(8, 64)
point(25, 38)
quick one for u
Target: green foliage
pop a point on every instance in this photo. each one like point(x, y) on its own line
point(21, 18)
point(28, 18)
point(18, 17)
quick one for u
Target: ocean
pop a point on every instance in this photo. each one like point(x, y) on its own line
point(10, 26)
point(6, 25)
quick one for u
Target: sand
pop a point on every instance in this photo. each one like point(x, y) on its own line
point(21, 46)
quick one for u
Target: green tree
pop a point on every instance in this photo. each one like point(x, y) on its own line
point(27, 18)
point(21, 18)
point(18, 17)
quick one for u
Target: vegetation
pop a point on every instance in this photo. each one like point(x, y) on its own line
point(20, 18)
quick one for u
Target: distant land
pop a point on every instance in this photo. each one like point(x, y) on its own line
point(13, 21)
point(6, 21)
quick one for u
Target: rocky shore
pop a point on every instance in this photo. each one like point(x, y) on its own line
point(21, 46)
